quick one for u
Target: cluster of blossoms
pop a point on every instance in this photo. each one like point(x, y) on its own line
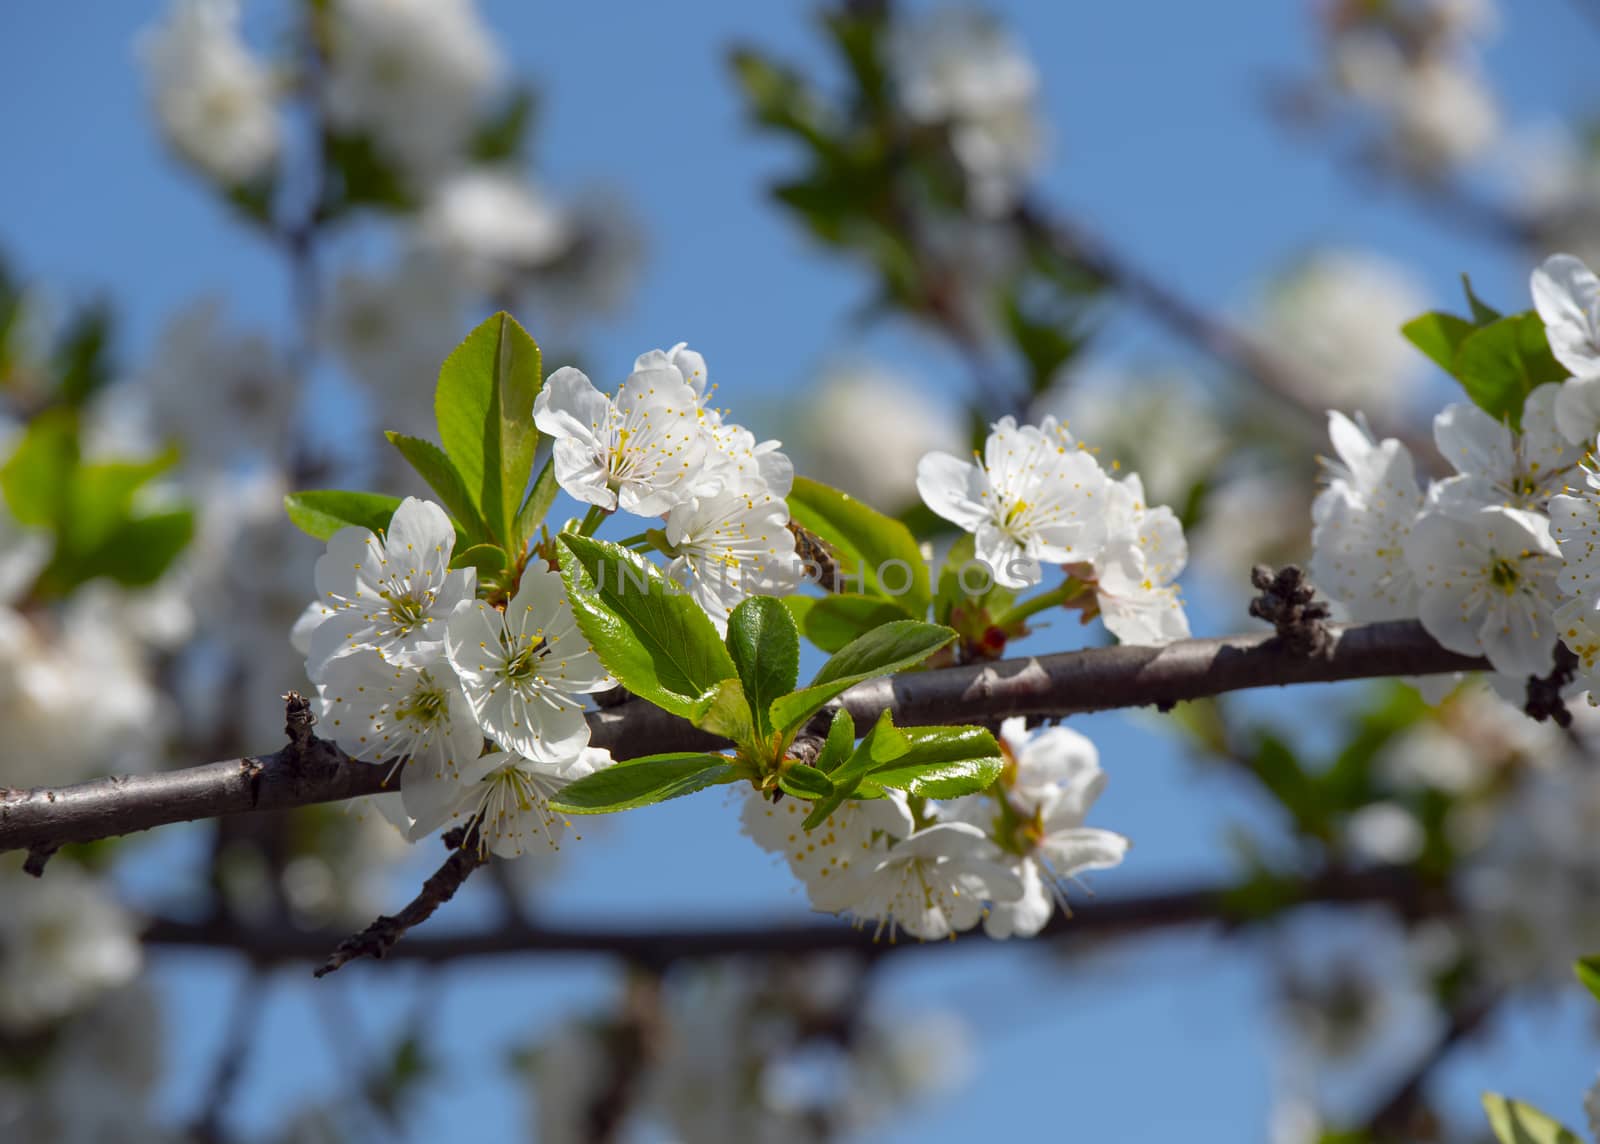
point(485, 697)
point(1003, 857)
point(1036, 495)
point(1498, 559)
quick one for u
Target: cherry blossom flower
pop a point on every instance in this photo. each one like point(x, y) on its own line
point(215, 101)
point(1033, 495)
point(376, 711)
point(824, 855)
point(510, 792)
point(524, 670)
point(1566, 294)
point(1361, 521)
point(931, 884)
point(1497, 466)
point(391, 593)
point(643, 451)
point(1144, 553)
point(1488, 585)
point(732, 545)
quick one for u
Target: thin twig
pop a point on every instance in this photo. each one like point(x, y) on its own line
point(1067, 683)
point(1392, 1120)
point(380, 937)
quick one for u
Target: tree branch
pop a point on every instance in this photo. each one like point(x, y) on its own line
point(1097, 918)
point(310, 770)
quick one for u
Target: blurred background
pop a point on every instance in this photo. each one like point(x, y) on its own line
point(236, 244)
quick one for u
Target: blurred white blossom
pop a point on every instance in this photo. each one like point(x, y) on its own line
point(215, 101)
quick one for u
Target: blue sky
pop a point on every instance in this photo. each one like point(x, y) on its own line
point(1161, 143)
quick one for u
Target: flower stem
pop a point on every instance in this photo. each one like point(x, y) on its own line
point(593, 519)
point(1069, 589)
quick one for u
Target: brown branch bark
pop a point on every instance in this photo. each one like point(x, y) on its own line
point(310, 770)
point(1092, 919)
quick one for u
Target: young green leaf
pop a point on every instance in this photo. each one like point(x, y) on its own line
point(99, 497)
point(839, 743)
point(484, 408)
point(134, 553)
point(36, 477)
point(323, 512)
point(488, 559)
point(1438, 335)
point(1501, 363)
point(437, 469)
point(1482, 312)
point(653, 638)
point(1517, 1123)
point(1588, 971)
point(766, 652)
point(883, 650)
point(644, 782)
point(876, 552)
point(942, 762)
point(533, 511)
point(725, 711)
point(834, 621)
point(805, 782)
point(881, 745)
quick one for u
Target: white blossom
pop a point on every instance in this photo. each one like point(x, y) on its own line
point(643, 451)
point(1497, 466)
point(732, 545)
point(390, 593)
point(1488, 585)
point(215, 101)
point(377, 711)
point(1361, 522)
point(510, 792)
point(957, 66)
point(829, 852)
point(1335, 317)
point(525, 669)
point(1032, 495)
point(1052, 779)
point(1566, 294)
point(63, 941)
point(933, 883)
point(495, 225)
point(413, 74)
point(1144, 553)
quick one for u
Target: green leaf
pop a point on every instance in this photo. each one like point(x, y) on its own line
point(434, 467)
point(833, 621)
point(839, 743)
point(489, 559)
point(868, 543)
point(484, 408)
point(1438, 335)
point(100, 497)
point(82, 353)
point(1501, 363)
point(725, 711)
point(36, 477)
point(884, 650)
point(1482, 312)
point(323, 512)
point(537, 506)
point(960, 571)
point(653, 638)
point(643, 782)
point(138, 551)
point(766, 652)
point(805, 782)
point(1517, 1123)
point(502, 134)
point(1588, 971)
point(879, 746)
point(942, 762)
